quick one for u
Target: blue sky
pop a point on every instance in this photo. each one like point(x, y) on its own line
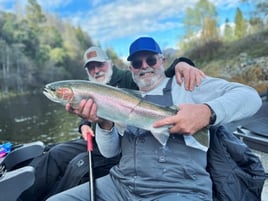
point(116, 23)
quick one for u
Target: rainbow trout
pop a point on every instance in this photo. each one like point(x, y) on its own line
point(118, 105)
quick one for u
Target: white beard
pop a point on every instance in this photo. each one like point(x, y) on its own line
point(107, 76)
point(148, 84)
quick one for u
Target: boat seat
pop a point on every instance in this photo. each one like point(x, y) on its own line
point(252, 139)
point(15, 176)
point(23, 153)
point(13, 183)
point(253, 130)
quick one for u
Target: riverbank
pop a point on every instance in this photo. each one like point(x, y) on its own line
point(243, 69)
point(5, 96)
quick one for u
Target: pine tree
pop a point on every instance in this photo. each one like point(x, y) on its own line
point(240, 25)
point(228, 31)
point(202, 18)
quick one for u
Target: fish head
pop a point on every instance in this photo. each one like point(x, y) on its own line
point(59, 93)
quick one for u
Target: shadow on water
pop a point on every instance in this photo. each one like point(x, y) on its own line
point(33, 117)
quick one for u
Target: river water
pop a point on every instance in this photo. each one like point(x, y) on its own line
point(33, 117)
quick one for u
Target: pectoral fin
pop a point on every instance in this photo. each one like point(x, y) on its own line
point(161, 134)
point(121, 128)
point(200, 140)
point(201, 137)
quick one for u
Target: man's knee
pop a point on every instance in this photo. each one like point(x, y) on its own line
point(57, 150)
point(66, 150)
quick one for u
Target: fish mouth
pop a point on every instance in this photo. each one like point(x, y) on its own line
point(45, 90)
point(49, 93)
point(48, 90)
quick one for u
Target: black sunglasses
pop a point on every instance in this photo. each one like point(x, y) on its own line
point(137, 64)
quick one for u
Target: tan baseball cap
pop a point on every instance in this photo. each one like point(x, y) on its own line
point(94, 54)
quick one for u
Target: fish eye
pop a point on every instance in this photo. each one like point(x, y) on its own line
point(53, 89)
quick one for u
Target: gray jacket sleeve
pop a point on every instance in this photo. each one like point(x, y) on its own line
point(230, 101)
point(108, 141)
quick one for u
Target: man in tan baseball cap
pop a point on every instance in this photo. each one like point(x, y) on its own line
point(95, 54)
point(98, 65)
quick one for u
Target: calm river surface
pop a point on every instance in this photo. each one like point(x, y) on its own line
point(33, 117)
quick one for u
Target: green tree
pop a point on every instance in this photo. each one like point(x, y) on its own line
point(35, 21)
point(190, 22)
point(4, 66)
point(51, 37)
point(240, 25)
point(260, 15)
point(8, 26)
point(84, 39)
point(71, 42)
point(228, 31)
point(37, 47)
point(58, 55)
point(34, 14)
point(22, 70)
point(116, 60)
point(202, 18)
point(25, 36)
point(256, 24)
point(209, 30)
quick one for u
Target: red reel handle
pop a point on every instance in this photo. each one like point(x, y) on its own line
point(89, 142)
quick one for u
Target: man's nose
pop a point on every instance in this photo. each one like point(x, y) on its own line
point(96, 68)
point(144, 64)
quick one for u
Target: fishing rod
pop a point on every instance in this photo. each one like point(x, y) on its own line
point(90, 166)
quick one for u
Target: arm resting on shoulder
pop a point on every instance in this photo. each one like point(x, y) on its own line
point(170, 71)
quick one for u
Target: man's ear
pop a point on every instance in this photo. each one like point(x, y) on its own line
point(130, 68)
point(164, 60)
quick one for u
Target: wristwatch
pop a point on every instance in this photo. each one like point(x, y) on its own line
point(213, 115)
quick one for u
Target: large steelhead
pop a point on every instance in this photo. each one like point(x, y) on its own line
point(118, 105)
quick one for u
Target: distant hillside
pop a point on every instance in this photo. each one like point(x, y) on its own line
point(244, 61)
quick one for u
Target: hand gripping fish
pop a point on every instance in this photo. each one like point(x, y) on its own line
point(118, 105)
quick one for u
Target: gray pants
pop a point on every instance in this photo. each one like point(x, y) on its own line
point(107, 191)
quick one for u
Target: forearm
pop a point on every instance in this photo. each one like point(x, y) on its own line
point(232, 110)
point(230, 101)
point(237, 102)
point(108, 141)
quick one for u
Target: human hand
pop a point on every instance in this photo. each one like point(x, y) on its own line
point(190, 75)
point(85, 130)
point(189, 119)
point(87, 109)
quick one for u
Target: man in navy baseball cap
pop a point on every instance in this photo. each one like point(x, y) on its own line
point(143, 44)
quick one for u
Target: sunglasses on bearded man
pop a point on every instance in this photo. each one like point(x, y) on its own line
point(137, 63)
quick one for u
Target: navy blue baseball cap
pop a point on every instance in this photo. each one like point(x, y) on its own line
point(143, 44)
